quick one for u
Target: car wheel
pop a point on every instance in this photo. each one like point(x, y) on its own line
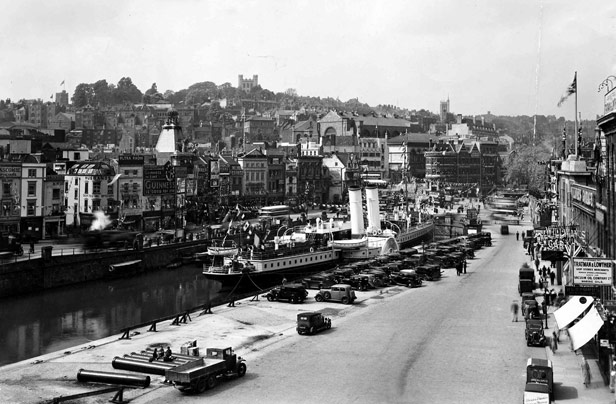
point(200, 385)
point(318, 298)
point(294, 299)
point(211, 382)
point(269, 298)
point(327, 295)
point(241, 370)
point(345, 300)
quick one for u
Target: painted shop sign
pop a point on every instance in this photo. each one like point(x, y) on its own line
point(10, 172)
point(592, 271)
point(585, 196)
point(131, 159)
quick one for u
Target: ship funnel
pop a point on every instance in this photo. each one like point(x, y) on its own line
point(374, 216)
point(356, 212)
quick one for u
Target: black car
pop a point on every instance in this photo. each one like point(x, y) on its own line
point(292, 293)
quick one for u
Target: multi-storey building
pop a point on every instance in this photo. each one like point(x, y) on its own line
point(291, 190)
point(471, 128)
point(463, 165)
point(406, 155)
point(276, 175)
point(10, 197)
point(37, 114)
point(255, 170)
point(130, 191)
point(311, 179)
point(260, 129)
point(31, 197)
point(54, 217)
point(606, 176)
point(89, 188)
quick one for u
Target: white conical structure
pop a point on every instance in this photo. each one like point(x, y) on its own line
point(169, 136)
point(356, 212)
point(372, 203)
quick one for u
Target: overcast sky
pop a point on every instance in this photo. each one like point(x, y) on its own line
point(510, 57)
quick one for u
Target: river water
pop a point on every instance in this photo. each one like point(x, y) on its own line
point(62, 318)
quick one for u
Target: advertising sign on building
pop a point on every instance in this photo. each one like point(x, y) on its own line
point(131, 159)
point(609, 102)
point(592, 271)
point(10, 171)
point(155, 181)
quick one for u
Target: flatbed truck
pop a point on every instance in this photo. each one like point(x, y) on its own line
point(203, 373)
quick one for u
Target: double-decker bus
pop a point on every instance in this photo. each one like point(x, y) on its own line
point(269, 212)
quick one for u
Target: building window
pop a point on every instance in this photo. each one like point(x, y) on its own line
point(135, 187)
point(96, 204)
point(31, 206)
point(86, 188)
point(77, 156)
point(85, 205)
point(31, 188)
point(6, 189)
point(109, 189)
point(96, 187)
point(32, 172)
point(6, 207)
point(55, 194)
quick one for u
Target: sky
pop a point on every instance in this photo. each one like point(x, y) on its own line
point(509, 57)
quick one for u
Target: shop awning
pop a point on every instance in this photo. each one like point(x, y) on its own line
point(585, 329)
point(572, 310)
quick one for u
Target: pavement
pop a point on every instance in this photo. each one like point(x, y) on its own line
point(568, 378)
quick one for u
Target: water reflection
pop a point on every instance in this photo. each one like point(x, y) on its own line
point(62, 318)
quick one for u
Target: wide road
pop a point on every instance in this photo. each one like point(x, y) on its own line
point(451, 341)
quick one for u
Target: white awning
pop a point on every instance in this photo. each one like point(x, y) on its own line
point(585, 329)
point(572, 310)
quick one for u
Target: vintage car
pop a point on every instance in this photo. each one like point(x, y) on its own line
point(292, 292)
point(339, 293)
point(319, 281)
point(540, 372)
point(429, 272)
point(528, 300)
point(407, 277)
point(381, 278)
point(312, 322)
point(357, 282)
point(534, 333)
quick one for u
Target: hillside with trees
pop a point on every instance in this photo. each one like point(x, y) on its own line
point(523, 129)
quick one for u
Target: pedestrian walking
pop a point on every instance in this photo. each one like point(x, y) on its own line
point(515, 308)
point(585, 372)
point(31, 246)
point(552, 277)
point(464, 266)
point(517, 236)
point(554, 341)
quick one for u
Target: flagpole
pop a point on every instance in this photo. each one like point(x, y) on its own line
point(576, 117)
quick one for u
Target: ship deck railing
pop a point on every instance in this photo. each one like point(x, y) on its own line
point(283, 251)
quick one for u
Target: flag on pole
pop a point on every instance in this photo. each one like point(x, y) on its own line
point(62, 83)
point(572, 89)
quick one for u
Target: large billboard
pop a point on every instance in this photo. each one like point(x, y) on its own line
point(592, 271)
point(155, 181)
